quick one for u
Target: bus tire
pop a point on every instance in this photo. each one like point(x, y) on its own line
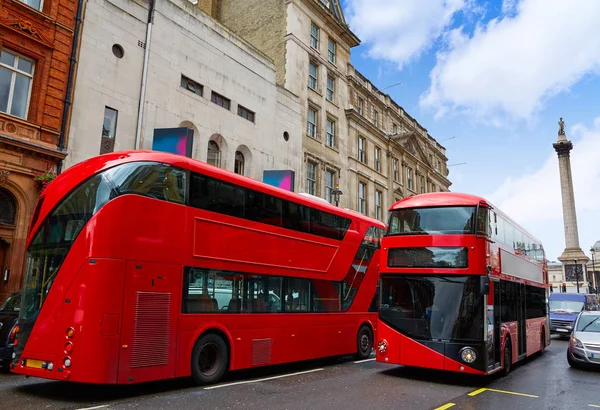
point(364, 342)
point(543, 341)
point(210, 359)
point(507, 357)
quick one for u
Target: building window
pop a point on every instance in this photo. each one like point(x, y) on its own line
point(330, 141)
point(361, 105)
point(245, 113)
point(109, 130)
point(239, 163)
point(362, 195)
point(214, 154)
point(378, 201)
point(396, 171)
point(375, 118)
point(315, 32)
point(331, 51)
point(220, 100)
point(311, 178)
point(330, 88)
point(432, 187)
point(192, 86)
point(362, 155)
point(312, 122)
point(409, 178)
point(377, 159)
point(394, 128)
point(8, 208)
point(16, 75)
point(438, 167)
point(329, 183)
point(422, 179)
point(36, 4)
point(313, 75)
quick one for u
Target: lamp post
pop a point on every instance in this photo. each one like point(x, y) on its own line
point(593, 269)
point(336, 194)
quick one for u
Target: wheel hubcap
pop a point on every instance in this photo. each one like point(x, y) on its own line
point(209, 359)
point(364, 343)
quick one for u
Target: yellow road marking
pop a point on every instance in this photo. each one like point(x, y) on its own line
point(445, 406)
point(476, 392)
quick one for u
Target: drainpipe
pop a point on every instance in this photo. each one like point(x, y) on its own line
point(138, 130)
point(67, 100)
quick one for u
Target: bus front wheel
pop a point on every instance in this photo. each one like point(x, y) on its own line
point(364, 342)
point(210, 359)
point(507, 358)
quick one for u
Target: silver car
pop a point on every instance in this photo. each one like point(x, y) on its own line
point(584, 346)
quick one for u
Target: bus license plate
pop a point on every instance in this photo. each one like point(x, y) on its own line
point(36, 364)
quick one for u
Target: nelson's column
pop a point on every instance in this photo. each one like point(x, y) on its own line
point(573, 259)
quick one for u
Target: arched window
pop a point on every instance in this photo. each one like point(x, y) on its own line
point(8, 207)
point(239, 163)
point(214, 154)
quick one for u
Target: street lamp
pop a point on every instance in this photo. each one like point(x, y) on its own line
point(336, 194)
point(593, 269)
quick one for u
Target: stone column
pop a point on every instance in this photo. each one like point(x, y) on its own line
point(572, 255)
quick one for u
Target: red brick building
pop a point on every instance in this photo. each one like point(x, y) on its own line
point(36, 38)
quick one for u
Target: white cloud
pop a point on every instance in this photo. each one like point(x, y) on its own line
point(400, 31)
point(510, 66)
point(534, 200)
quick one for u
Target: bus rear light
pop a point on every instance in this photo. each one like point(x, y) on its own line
point(382, 346)
point(70, 332)
point(68, 347)
point(67, 362)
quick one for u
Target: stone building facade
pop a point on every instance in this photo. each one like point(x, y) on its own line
point(200, 75)
point(310, 43)
point(36, 38)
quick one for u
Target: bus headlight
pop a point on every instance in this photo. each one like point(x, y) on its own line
point(67, 362)
point(468, 355)
point(382, 346)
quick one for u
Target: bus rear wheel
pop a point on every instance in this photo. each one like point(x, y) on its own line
point(210, 359)
point(364, 342)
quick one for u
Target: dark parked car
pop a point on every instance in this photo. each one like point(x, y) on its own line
point(9, 313)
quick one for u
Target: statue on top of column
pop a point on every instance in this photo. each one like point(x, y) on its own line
point(561, 127)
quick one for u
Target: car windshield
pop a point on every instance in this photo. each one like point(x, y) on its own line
point(446, 308)
point(432, 221)
point(565, 306)
point(12, 304)
point(589, 323)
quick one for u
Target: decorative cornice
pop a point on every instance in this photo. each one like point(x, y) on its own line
point(28, 28)
point(563, 148)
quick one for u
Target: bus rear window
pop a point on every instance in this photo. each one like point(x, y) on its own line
point(451, 220)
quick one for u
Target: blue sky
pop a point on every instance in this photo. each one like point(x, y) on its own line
point(497, 75)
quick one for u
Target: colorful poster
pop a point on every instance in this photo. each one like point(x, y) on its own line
point(283, 179)
point(173, 140)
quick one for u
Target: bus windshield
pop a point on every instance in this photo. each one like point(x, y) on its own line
point(432, 221)
point(439, 308)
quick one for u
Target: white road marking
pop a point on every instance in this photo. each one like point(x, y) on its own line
point(366, 360)
point(262, 380)
point(92, 408)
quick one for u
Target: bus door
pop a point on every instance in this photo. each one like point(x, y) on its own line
point(149, 327)
point(494, 357)
point(522, 319)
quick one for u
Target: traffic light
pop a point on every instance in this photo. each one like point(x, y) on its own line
point(564, 288)
point(551, 288)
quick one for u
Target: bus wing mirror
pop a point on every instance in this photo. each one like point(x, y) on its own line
point(484, 285)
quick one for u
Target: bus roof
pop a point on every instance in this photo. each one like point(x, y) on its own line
point(433, 199)
point(73, 176)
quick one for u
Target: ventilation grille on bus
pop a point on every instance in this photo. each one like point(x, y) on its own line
point(261, 352)
point(151, 334)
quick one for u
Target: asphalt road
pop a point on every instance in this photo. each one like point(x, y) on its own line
point(543, 382)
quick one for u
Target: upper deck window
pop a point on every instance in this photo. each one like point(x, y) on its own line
point(451, 220)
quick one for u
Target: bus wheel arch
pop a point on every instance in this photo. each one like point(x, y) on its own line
point(543, 340)
point(211, 356)
point(365, 339)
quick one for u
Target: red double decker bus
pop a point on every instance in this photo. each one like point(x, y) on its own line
point(144, 266)
point(463, 287)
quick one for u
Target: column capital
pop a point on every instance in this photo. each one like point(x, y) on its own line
point(563, 148)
